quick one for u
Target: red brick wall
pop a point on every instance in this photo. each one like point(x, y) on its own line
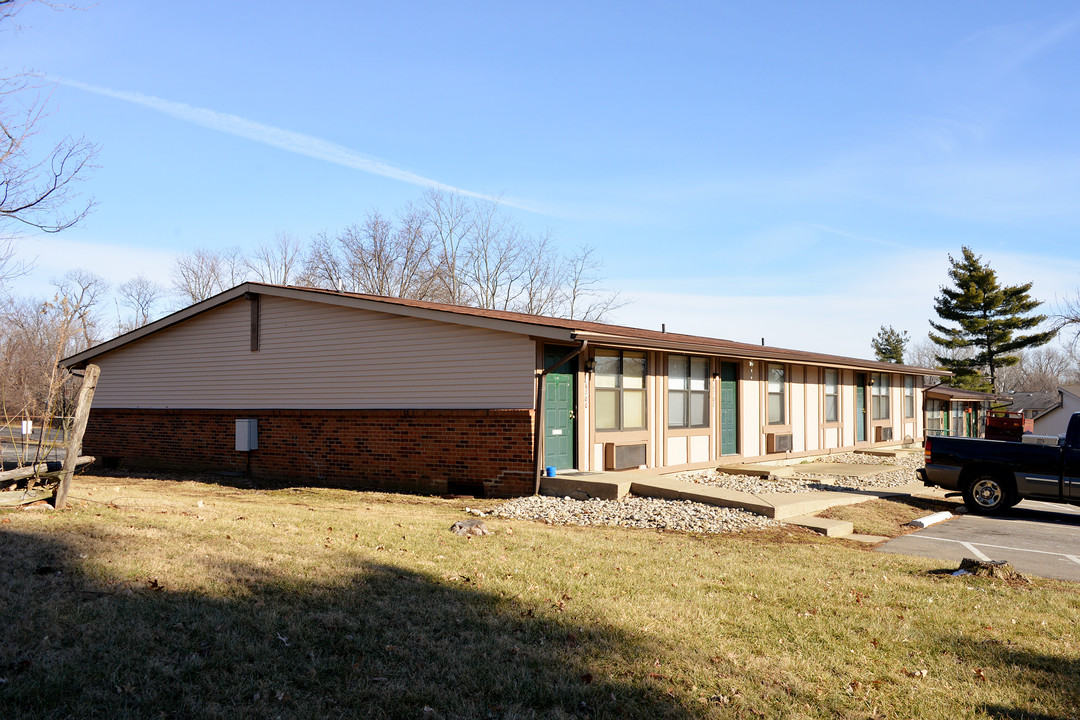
point(419, 451)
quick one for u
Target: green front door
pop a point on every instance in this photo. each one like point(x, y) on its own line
point(559, 410)
point(729, 408)
point(860, 407)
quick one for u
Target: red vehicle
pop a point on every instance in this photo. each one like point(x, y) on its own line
point(1003, 425)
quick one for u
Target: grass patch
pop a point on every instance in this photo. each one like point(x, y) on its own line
point(888, 517)
point(159, 598)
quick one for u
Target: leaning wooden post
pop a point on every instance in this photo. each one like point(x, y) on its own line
point(78, 427)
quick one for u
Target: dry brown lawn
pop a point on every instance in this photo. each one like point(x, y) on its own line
point(166, 598)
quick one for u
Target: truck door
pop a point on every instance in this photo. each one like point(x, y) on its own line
point(1070, 471)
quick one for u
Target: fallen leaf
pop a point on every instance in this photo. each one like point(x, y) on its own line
point(587, 678)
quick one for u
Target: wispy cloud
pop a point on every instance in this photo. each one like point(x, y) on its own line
point(287, 140)
point(1014, 45)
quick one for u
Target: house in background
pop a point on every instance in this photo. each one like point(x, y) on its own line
point(1033, 404)
point(383, 393)
point(957, 412)
point(1055, 420)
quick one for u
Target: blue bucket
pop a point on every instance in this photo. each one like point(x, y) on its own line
point(549, 471)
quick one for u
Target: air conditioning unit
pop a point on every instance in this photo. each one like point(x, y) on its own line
point(623, 457)
point(775, 443)
point(882, 434)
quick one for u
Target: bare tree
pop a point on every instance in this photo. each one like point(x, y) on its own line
point(1042, 369)
point(34, 336)
point(585, 298)
point(81, 291)
point(542, 286)
point(37, 188)
point(198, 275)
point(380, 257)
point(493, 268)
point(139, 295)
point(449, 224)
point(278, 262)
point(1067, 317)
point(460, 251)
point(325, 266)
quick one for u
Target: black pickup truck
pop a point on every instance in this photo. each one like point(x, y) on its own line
point(994, 475)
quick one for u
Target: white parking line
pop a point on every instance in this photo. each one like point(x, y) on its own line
point(972, 548)
point(1055, 507)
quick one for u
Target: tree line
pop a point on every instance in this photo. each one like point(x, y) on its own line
point(442, 248)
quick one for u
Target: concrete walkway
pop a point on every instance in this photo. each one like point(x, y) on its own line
point(794, 508)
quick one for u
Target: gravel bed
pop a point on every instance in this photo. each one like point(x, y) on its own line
point(816, 482)
point(632, 512)
point(688, 516)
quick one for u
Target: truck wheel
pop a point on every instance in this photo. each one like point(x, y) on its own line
point(988, 494)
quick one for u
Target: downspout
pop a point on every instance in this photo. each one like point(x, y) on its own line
point(538, 433)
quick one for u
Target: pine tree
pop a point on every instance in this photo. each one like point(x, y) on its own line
point(988, 317)
point(889, 344)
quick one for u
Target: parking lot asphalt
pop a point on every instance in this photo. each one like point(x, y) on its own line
point(1036, 538)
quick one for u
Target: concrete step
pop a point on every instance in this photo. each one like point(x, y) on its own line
point(824, 526)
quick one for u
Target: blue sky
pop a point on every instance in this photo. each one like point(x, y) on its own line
point(792, 171)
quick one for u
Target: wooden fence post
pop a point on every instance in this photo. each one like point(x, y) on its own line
point(78, 427)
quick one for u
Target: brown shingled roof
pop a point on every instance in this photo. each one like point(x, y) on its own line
point(550, 327)
point(640, 337)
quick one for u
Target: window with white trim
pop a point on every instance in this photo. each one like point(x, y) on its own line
point(688, 392)
point(879, 402)
point(832, 396)
point(777, 414)
point(909, 396)
point(620, 390)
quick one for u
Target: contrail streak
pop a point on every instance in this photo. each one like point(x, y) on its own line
point(275, 137)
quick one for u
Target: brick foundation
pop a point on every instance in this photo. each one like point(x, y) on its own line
point(417, 451)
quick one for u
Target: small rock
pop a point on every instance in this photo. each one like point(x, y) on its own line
point(470, 527)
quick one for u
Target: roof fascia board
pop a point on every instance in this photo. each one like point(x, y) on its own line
point(781, 356)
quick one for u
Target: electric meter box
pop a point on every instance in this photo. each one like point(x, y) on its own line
point(247, 435)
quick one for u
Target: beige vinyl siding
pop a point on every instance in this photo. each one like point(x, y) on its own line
point(751, 415)
point(318, 356)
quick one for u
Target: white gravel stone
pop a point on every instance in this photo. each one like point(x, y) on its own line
point(689, 516)
point(895, 472)
point(633, 512)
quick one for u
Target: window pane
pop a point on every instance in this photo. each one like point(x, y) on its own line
point(776, 409)
point(831, 406)
point(676, 370)
point(633, 409)
point(831, 382)
point(699, 409)
point(607, 369)
point(776, 378)
point(633, 370)
point(699, 374)
point(677, 409)
point(607, 410)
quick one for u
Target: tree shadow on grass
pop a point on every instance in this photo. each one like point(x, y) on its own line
point(386, 643)
point(1050, 678)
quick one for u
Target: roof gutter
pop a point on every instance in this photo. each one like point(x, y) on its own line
point(538, 432)
point(777, 355)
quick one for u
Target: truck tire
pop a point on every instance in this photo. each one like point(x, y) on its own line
point(988, 493)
